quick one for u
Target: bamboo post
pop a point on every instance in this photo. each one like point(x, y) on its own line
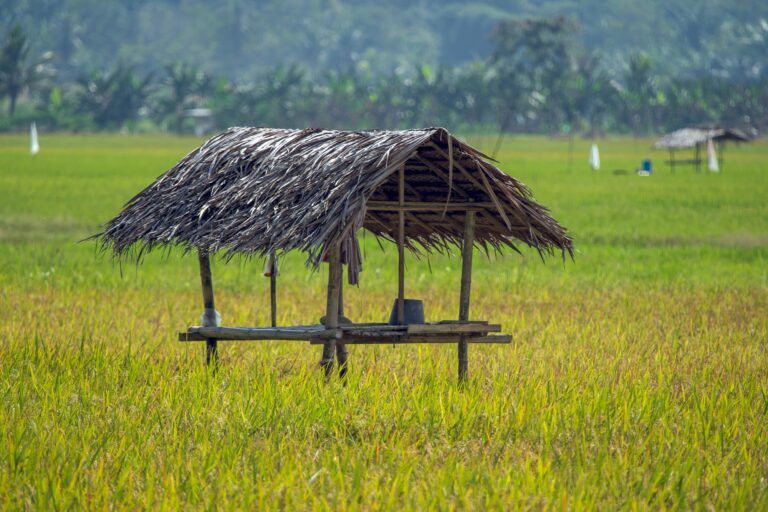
point(342, 355)
point(672, 159)
point(697, 158)
point(401, 249)
point(273, 288)
point(720, 154)
point(466, 284)
point(209, 313)
point(332, 306)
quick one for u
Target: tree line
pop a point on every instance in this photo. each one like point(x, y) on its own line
point(536, 79)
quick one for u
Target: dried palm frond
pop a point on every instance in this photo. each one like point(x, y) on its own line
point(259, 191)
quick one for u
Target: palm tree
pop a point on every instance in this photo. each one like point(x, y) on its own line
point(187, 86)
point(640, 92)
point(15, 77)
point(591, 94)
point(113, 97)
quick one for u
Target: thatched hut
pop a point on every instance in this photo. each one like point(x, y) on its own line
point(697, 137)
point(263, 192)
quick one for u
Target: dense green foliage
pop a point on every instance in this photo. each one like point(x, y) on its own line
point(556, 67)
point(637, 379)
point(239, 39)
point(15, 75)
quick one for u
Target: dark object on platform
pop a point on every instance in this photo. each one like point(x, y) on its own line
point(414, 312)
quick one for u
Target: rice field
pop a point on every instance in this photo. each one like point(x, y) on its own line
point(637, 377)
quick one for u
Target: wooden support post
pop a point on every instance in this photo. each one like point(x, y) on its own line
point(466, 285)
point(342, 355)
point(401, 250)
point(720, 154)
point(697, 158)
point(273, 288)
point(332, 306)
point(209, 313)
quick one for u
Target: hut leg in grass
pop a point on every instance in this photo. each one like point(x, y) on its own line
point(273, 288)
point(401, 250)
point(697, 158)
point(332, 307)
point(209, 313)
point(466, 284)
point(341, 349)
point(720, 154)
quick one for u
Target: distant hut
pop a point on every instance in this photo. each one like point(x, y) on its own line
point(697, 137)
point(263, 192)
point(202, 119)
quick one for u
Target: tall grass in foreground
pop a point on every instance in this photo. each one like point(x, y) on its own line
point(637, 378)
point(634, 398)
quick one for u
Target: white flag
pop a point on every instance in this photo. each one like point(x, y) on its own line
point(712, 157)
point(594, 157)
point(34, 145)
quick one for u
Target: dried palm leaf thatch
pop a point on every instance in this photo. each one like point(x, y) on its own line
point(258, 191)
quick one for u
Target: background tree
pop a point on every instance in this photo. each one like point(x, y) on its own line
point(186, 87)
point(368, 66)
point(113, 97)
point(531, 58)
point(590, 94)
point(15, 75)
point(278, 98)
point(640, 93)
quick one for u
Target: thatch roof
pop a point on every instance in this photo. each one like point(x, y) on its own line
point(689, 137)
point(259, 190)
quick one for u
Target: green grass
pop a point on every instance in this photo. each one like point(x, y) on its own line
point(637, 378)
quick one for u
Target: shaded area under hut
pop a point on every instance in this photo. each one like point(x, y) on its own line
point(697, 137)
point(263, 192)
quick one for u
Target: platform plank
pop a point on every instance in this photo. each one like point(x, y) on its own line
point(300, 333)
point(355, 334)
point(458, 328)
point(422, 339)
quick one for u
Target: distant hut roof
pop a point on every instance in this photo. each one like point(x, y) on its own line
point(691, 136)
point(204, 113)
point(261, 190)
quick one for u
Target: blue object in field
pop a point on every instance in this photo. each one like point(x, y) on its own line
point(647, 166)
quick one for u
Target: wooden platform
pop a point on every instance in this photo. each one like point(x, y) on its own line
point(357, 334)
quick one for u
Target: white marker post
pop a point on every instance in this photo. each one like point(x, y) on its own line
point(712, 157)
point(34, 145)
point(594, 158)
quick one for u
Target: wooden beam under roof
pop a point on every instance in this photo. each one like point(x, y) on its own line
point(436, 206)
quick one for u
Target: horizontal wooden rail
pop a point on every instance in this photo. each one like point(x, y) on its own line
point(421, 339)
point(301, 333)
point(685, 161)
point(463, 328)
point(371, 333)
point(436, 206)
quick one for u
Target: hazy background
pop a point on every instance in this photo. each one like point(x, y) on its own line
point(661, 63)
point(238, 38)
